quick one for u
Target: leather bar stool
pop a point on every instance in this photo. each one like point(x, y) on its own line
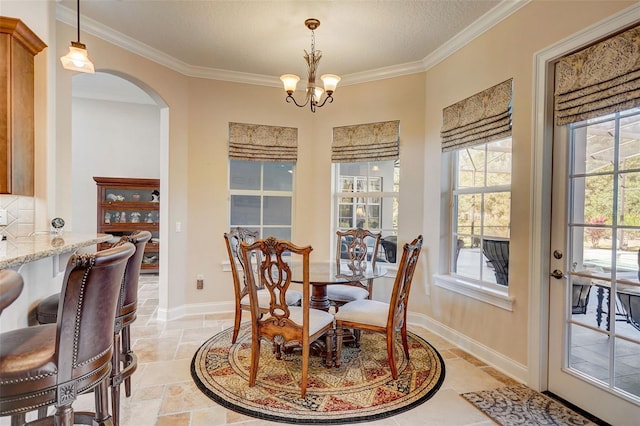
point(124, 362)
point(10, 287)
point(51, 364)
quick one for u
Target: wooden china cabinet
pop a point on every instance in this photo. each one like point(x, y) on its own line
point(126, 205)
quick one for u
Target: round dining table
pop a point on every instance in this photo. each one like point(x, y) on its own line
point(324, 274)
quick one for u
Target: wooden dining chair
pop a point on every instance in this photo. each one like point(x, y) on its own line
point(283, 324)
point(239, 272)
point(353, 250)
point(382, 317)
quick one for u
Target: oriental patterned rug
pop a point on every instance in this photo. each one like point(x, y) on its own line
point(520, 405)
point(362, 389)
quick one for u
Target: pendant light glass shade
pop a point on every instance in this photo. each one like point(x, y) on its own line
point(77, 59)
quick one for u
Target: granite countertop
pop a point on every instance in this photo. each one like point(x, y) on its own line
point(22, 250)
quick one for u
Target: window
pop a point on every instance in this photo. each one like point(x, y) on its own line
point(366, 196)
point(481, 212)
point(261, 197)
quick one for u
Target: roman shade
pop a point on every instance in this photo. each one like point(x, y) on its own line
point(366, 142)
point(601, 79)
point(254, 142)
point(481, 118)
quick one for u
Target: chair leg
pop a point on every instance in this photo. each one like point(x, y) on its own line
point(115, 378)
point(64, 416)
point(126, 357)
point(19, 419)
point(305, 370)
point(236, 324)
point(339, 333)
point(42, 412)
point(329, 337)
point(390, 354)
point(255, 358)
point(102, 417)
point(405, 342)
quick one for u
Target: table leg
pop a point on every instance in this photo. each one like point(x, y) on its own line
point(319, 298)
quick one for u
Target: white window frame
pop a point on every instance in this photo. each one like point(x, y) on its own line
point(485, 291)
point(365, 195)
point(262, 194)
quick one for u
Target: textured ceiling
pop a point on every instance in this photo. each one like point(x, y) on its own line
point(268, 38)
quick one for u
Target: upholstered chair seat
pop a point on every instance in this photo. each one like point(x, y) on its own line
point(369, 312)
point(343, 293)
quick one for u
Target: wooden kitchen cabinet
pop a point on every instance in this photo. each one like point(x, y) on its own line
point(18, 46)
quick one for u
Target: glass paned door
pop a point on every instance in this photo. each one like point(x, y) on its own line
point(594, 333)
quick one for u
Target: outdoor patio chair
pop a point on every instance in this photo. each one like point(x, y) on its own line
point(497, 253)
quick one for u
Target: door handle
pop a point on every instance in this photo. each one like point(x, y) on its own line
point(557, 274)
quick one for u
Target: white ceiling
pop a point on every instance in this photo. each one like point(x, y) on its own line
point(256, 41)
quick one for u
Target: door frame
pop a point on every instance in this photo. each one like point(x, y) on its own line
point(541, 180)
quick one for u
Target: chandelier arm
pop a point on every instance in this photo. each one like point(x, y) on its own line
point(290, 99)
point(329, 99)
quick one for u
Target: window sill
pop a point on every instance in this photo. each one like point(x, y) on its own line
point(475, 290)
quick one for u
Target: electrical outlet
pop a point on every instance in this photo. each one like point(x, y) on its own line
point(200, 281)
point(4, 217)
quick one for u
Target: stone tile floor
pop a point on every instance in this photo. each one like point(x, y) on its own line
point(165, 395)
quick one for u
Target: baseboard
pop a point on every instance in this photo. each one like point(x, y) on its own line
point(506, 365)
point(195, 309)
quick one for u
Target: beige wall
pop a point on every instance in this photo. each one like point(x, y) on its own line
point(506, 51)
point(213, 104)
point(194, 169)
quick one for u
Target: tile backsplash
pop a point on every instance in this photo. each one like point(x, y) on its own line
point(21, 215)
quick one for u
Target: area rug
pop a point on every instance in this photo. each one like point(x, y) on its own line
point(520, 405)
point(362, 389)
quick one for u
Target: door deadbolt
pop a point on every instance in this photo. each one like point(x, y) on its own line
point(557, 254)
point(557, 274)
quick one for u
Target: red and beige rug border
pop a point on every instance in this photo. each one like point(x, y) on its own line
point(361, 390)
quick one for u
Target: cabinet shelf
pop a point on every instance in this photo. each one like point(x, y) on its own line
point(126, 205)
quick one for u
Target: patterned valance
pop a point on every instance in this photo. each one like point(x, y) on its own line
point(255, 142)
point(366, 142)
point(599, 80)
point(481, 118)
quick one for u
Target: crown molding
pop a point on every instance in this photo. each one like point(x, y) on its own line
point(477, 28)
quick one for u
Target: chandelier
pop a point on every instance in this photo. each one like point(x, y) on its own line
point(77, 58)
point(313, 92)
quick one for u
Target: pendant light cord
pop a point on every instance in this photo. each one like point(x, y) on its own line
point(78, 9)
